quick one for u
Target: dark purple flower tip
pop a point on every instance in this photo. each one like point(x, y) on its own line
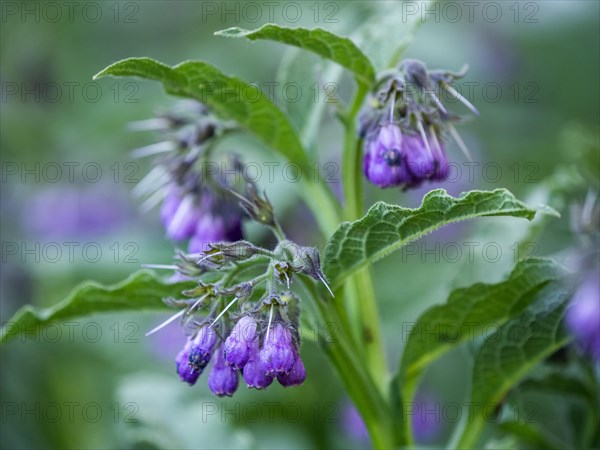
point(383, 162)
point(238, 345)
point(277, 354)
point(296, 376)
point(583, 315)
point(185, 371)
point(202, 347)
point(209, 229)
point(182, 224)
point(253, 373)
point(222, 379)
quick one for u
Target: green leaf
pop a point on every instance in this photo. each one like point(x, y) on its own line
point(386, 228)
point(469, 313)
point(531, 435)
point(141, 291)
point(507, 355)
point(328, 45)
point(229, 97)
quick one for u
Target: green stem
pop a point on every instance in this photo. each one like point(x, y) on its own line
point(359, 288)
point(358, 384)
point(322, 203)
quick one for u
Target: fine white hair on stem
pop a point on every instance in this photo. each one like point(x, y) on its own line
point(166, 322)
point(459, 97)
point(326, 285)
point(438, 102)
point(459, 141)
point(153, 200)
point(153, 149)
point(160, 266)
point(205, 257)
point(150, 181)
point(224, 311)
point(269, 325)
point(423, 135)
point(157, 123)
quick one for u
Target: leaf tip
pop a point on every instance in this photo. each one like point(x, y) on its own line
point(231, 32)
point(547, 211)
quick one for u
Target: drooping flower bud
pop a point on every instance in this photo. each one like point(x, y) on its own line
point(296, 376)
point(183, 223)
point(222, 379)
point(277, 354)
point(254, 375)
point(383, 161)
point(202, 347)
point(238, 345)
point(185, 371)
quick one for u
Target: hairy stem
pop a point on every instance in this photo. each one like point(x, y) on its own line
point(359, 385)
point(359, 288)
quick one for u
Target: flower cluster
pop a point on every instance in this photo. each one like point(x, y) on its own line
point(404, 124)
point(245, 326)
point(196, 202)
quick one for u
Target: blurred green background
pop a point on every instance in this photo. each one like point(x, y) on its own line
point(67, 214)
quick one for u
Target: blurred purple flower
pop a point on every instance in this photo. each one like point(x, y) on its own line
point(427, 420)
point(353, 424)
point(65, 212)
point(583, 315)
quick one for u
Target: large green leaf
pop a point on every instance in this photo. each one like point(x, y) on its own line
point(470, 313)
point(507, 355)
point(328, 45)
point(386, 228)
point(230, 98)
point(141, 291)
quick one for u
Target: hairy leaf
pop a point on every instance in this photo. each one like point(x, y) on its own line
point(141, 291)
point(507, 355)
point(328, 45)
point(386, 228)
point(470, 313)
point(230, 98)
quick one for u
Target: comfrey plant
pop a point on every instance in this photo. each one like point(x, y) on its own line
point(242, 306)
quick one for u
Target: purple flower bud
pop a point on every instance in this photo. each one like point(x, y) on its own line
point(442, 168)
point(383, 162)
point(202, 347)
point(277, 354)
point(254, 375)
point(296, 376)
point(170, 205)
point(185, 371)
point(583, 316)
point(222, 379)
point(419, 159)
point(182, 223)
point(238, 345)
